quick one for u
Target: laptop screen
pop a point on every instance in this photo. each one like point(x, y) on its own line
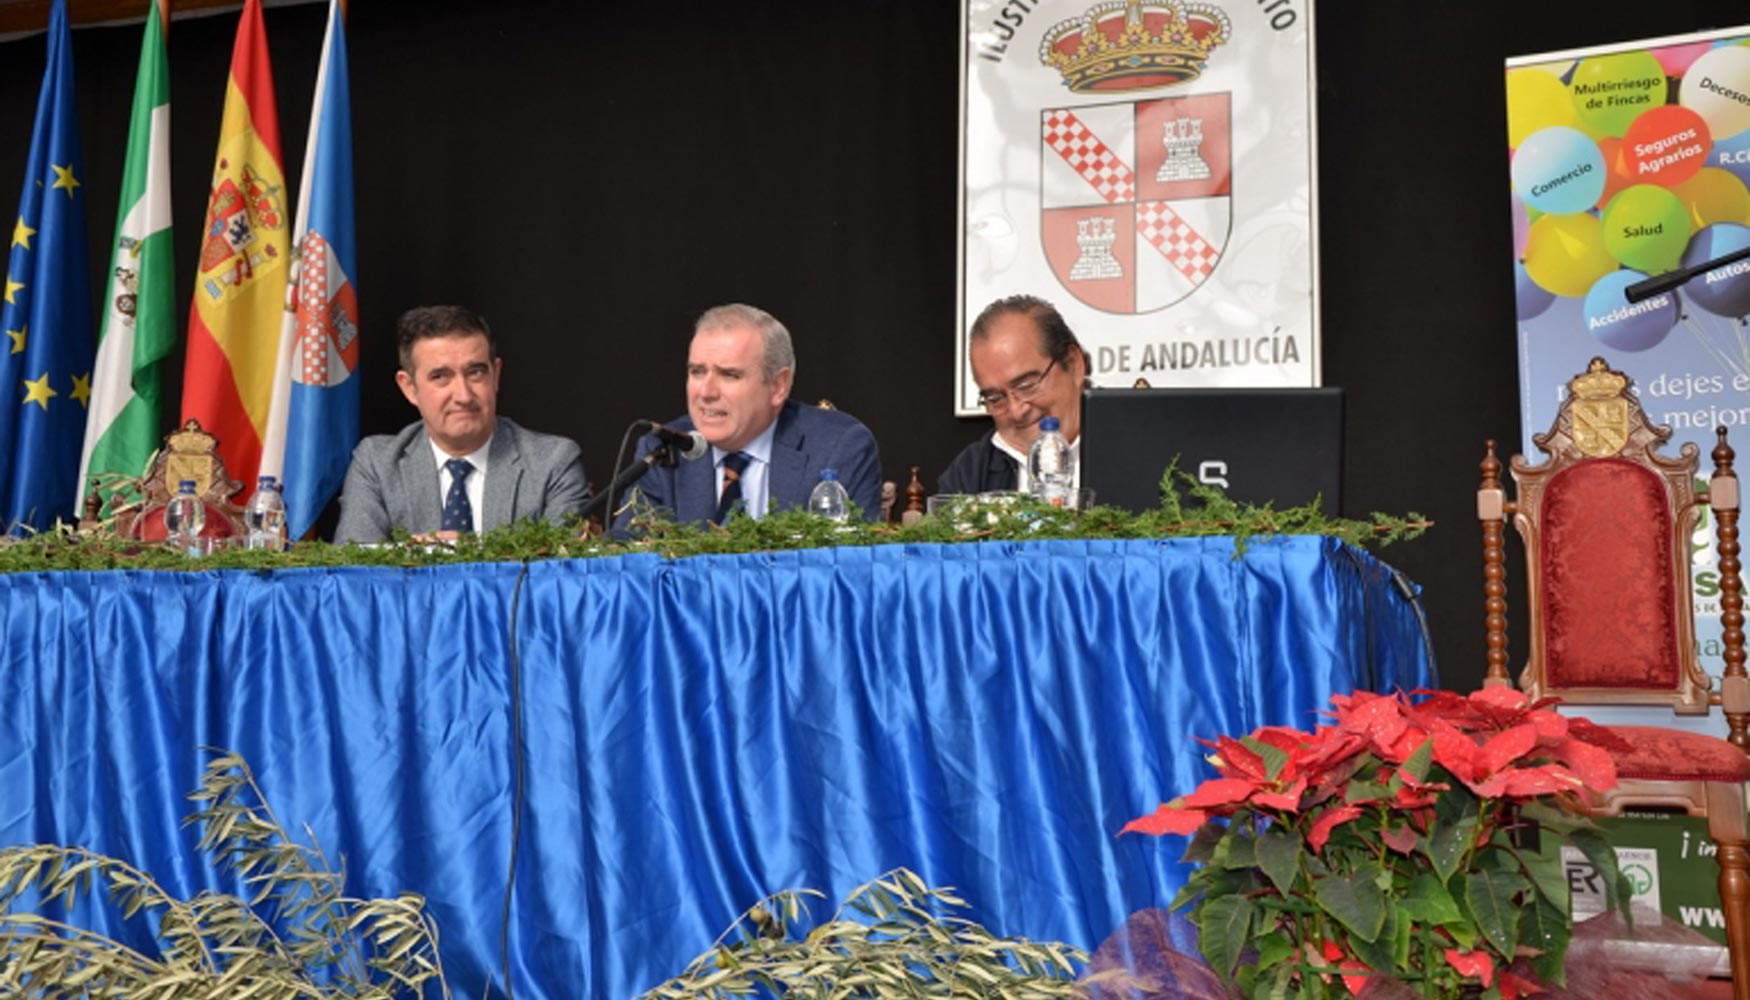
point(1281, 446)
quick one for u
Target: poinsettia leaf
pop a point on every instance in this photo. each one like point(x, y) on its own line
point(1517, 987)
point(1236, 852)
point(1239, 760)
point(1459, 805)
point(1329, 820)
point(1594, 765)
point(1272, 948)
point(1418, 763)
point(1547, 930)
point(1603, 857)
point(1549, 877)
point(1279, 852)
point(1273, 756)
point(1167, 819)
point(1366, 791)
point(1505, 748)
point(1552, 819)
point(1463, 933)
point(1217, 792)
point(1355, 900)
point(1287, 800)
point(1401, 947)
point(1224, 931)
point(1202, 845)
point(1472, 964)
point(1428, 903)
point(1499, 697)
point(1544, 779)
point(1447, 844)
point(1489, 897)
point(1379, 953)
point(1188, 893)
point(1401, 839)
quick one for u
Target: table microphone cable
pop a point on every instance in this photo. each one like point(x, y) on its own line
point(1406, 588)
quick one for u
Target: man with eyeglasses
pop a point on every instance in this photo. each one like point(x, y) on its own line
point(1027, 364)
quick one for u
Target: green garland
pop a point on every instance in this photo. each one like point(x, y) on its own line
point(1188, 509)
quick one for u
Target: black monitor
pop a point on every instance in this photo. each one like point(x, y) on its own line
point(1283, 446)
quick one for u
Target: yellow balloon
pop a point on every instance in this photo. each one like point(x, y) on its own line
point(1565, 254)
point(1714, 194)
point(1536, 99)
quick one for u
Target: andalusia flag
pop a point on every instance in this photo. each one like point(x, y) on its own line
point(234, 327)
point(139, 318)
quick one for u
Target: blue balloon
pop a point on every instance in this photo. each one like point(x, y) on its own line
point(1724, 291)
point(1626, 326)
point(1733, 154)
point(1559, 170)
point(1528, 295)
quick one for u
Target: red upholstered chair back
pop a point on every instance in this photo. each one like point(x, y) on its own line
point(1607, 520)
point(1610, 579)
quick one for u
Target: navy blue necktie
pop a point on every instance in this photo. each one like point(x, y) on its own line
point(733, 466)
point(458, 512)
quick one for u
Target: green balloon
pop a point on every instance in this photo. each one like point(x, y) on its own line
point(1646, 227)
point(1610, 91)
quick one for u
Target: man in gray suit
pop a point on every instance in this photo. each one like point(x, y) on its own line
point(462, 467)
point(767, 450)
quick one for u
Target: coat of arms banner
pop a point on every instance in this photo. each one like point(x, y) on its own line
point(1147, 166)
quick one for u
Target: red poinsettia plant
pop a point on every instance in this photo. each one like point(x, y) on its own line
point(1390, 845)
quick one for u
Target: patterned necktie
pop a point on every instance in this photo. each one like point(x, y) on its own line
point(458, 512)
point(733, 466)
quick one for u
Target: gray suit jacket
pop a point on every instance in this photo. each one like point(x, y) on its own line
point(393, 482)
point(807, 440)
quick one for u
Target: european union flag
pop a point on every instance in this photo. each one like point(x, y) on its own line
point(47, 356)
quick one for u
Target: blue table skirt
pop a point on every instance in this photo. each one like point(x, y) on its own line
point(697, 733)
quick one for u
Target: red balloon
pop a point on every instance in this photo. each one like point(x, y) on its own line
point(1665, 146)
point(1616, 170)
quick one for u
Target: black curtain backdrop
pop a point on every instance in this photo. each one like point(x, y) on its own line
point(592, 176)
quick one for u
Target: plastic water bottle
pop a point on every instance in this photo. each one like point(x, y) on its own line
point(265, 517)
point(829, 499)
point(184, 517)
point(1051, 466)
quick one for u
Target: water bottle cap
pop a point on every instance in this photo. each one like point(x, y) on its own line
point(264, 483)
point(185, 486)
point(1048, 423)
point(829, 475)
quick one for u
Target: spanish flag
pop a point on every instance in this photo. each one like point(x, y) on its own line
point(240, 284)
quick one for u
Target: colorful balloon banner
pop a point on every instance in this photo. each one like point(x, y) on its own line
point(1628, 163)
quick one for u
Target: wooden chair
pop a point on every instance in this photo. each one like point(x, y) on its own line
point(1606, 522)
point(188, 453)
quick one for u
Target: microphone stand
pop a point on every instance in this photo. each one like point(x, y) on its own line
point(662, 455)
point(1649, 287)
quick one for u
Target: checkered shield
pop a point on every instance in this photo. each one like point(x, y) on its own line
point(1136, 198)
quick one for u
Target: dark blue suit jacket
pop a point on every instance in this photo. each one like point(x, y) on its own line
point(807, 440)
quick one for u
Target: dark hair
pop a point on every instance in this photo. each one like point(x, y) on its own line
point(1056, 339)
point(425, 322)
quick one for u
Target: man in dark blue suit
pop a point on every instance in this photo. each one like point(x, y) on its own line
point(767, 451)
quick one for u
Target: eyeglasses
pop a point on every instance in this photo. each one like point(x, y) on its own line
point(1020, 390)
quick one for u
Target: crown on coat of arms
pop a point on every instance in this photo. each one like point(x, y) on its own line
point(1598, 382)
point(1132, 44)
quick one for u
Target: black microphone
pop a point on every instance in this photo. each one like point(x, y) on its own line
point(688, 445)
